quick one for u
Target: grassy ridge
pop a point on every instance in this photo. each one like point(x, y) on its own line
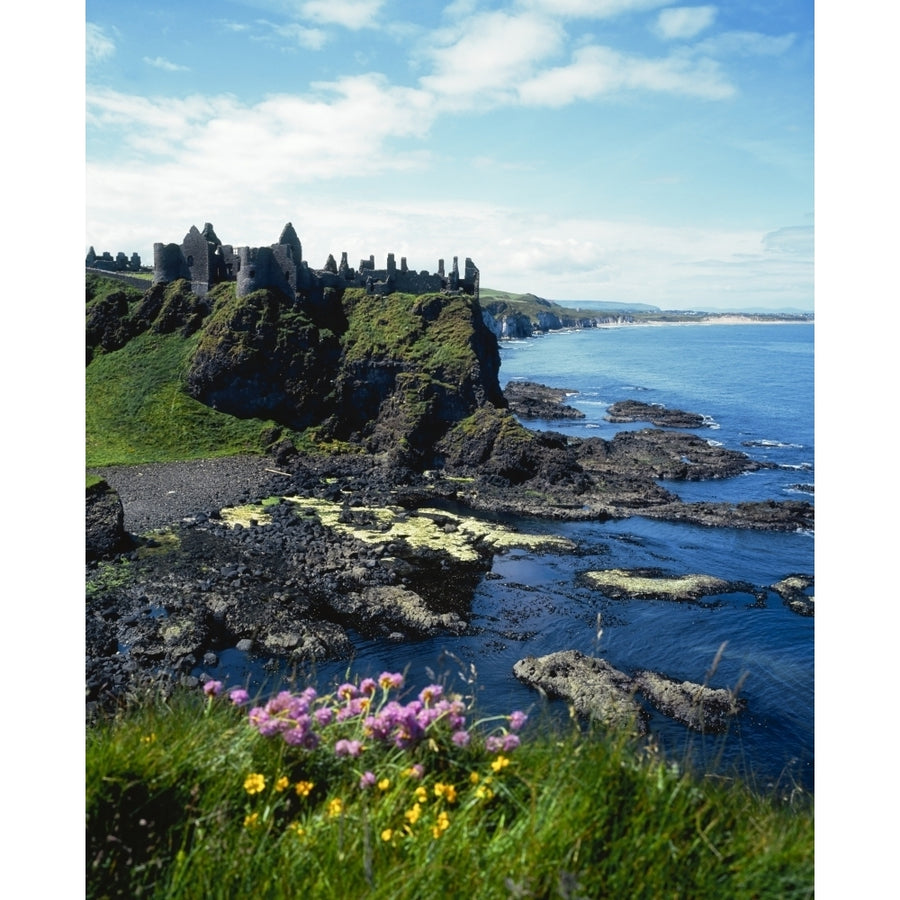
point(186, 800)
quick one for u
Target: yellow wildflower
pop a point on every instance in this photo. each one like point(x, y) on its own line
point(387, 834)
point(421, 794)
point(255, 783)
point(483, 792)
point(282, 784)
point(149, 739)
point(297, 828)
point(303, 788)
point(442, 824)
point(447, 791)
point(251, 820)
point(412, 815)
point(474, 777)
point(335, 807)
point(499, 763)
point(384, 784)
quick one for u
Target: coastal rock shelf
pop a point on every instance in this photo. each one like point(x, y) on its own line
point(634, 411)
point(529, 400)
point(598, 691)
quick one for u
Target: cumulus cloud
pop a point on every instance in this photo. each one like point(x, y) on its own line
point(292, 138)
point(682, 22)
point(600, 70)
point(484, 63)
point(160, 62)
point(99, 45)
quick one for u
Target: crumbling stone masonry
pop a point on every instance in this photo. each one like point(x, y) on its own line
point(106, 263)
point(205, 261)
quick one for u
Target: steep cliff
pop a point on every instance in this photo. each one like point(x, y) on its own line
point(385, 373)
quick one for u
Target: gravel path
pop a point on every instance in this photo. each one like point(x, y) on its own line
point(158, 494)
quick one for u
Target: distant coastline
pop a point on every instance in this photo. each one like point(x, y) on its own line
point(519, 316)
point(724, 319)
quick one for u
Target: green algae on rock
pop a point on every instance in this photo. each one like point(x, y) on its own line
point(434, 529)
point(652, 584)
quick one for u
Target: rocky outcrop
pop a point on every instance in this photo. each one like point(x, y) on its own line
point(261, 356)
point(627, 411)
point(537, 401)
point(654, 584)
point(394, 612)
point(793, 591)
point(105, 533)
point(697, 706)
point(591, 686)
point(600, 692)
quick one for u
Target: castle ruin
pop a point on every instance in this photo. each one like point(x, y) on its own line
point(106, 263)
point(205, 261)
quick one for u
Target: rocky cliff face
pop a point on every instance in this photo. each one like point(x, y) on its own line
point(389, 373)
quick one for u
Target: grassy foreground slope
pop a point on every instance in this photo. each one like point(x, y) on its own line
point(189, 797)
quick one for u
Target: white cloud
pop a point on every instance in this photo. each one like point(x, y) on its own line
point(352, 14)
point(593, 9)
point(682, 22)
point(99, 45)
point(160, 62)
point(211, 143)
point(486, 62)
point(600, 70)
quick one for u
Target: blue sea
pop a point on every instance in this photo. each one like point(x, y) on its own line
point(754, 383)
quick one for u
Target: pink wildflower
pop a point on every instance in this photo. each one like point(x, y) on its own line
point(348, 748)
point(461, 738)
point(239, 696)
point(367, 780)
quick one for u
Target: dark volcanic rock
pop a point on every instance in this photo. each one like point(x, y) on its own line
point(635, 411)
point(105, 533)
point(792, 590)
point(393, 610)
point(596, 690)
point(701, 708)
point(677, 456)
point(529, 400)
point(593, 687)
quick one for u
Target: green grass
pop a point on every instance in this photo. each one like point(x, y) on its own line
point(399, 326)
point(171, 814)
point(137, 410)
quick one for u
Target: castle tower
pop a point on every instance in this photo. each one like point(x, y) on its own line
point(168, 264)
point(344, 268)
point(289, 237)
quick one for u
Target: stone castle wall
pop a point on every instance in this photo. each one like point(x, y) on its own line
point(205, 261)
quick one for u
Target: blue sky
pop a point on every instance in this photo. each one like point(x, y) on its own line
point(628, 150)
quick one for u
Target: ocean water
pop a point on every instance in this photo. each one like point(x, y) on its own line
point(754, 382)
